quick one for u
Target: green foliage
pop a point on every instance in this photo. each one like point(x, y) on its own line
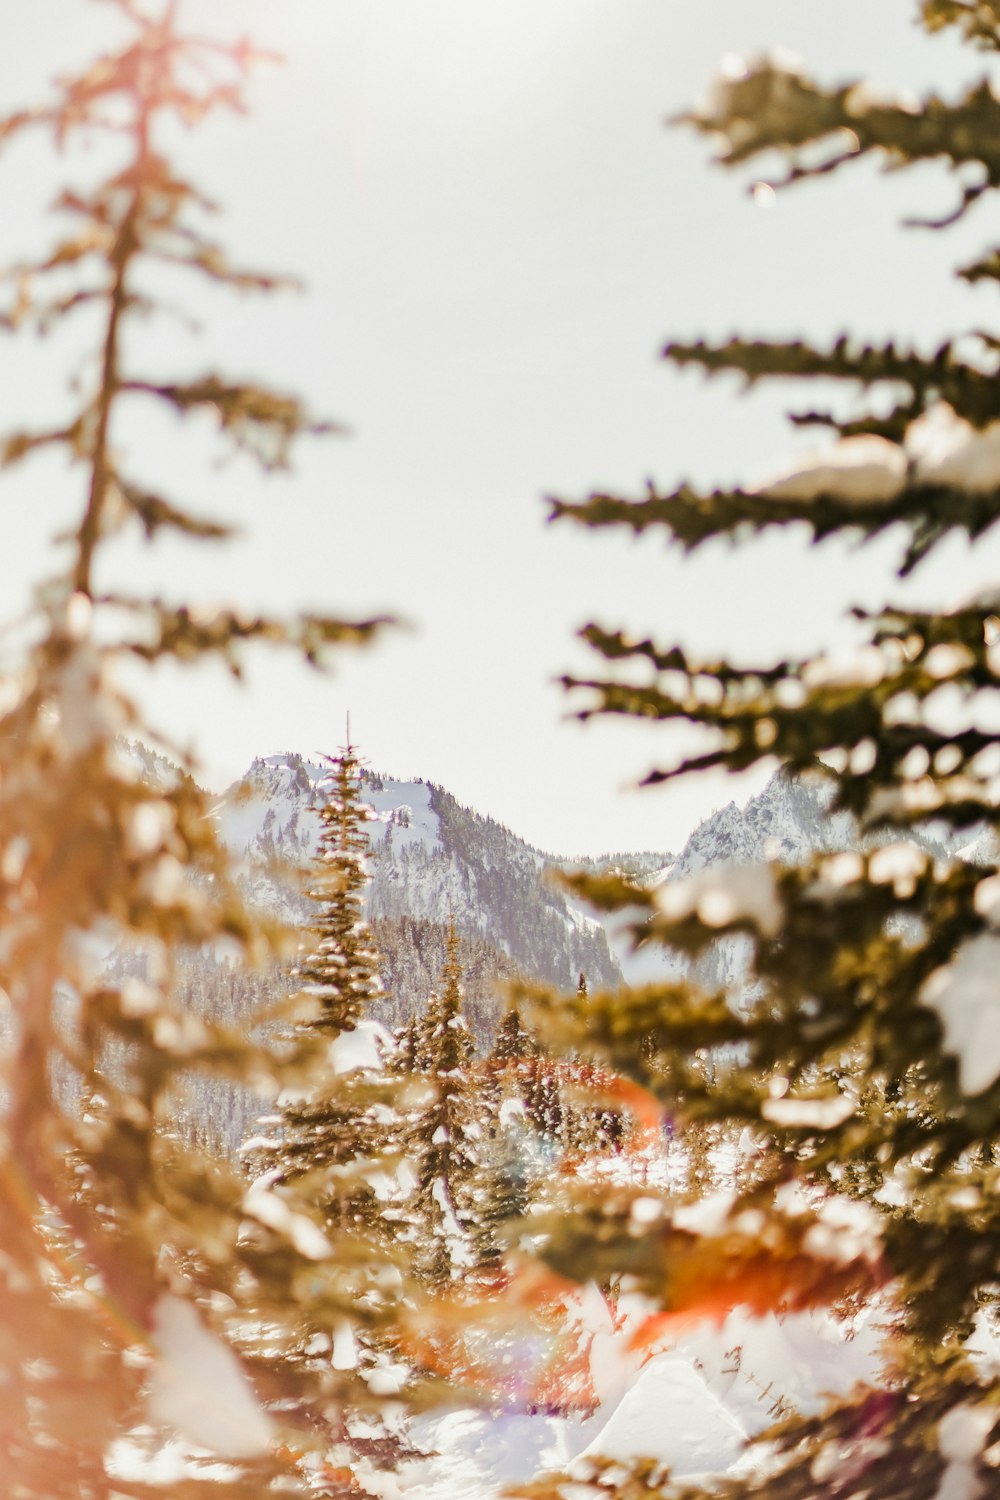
point(774, 108)
point(860, 1046)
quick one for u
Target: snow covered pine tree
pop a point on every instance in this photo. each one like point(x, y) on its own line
point(339, 981)
point(338, 1138)
point(444, 1133)
point(871, 1055)
point(462, 1219)
point(135, 1276)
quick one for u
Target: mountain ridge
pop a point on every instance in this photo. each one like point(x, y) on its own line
point(431, 859)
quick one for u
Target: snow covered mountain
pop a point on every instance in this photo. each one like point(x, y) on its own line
point(430, 859)
point(787, 821)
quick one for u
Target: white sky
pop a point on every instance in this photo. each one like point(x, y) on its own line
point(497, 234)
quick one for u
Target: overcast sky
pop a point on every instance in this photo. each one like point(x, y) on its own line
point(497, 235)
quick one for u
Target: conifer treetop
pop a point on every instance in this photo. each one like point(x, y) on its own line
point(342, 969)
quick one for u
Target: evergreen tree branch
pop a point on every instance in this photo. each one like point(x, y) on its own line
point(771, 107)
point(930, 512)
point(259, 421)
point(979, 20)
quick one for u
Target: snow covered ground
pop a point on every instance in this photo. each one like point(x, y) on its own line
point(692, 1405)
point(692, 1400)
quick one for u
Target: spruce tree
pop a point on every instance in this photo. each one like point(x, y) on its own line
point(511, 1162)
point(137, 1279)
point(328, 1134)
point(515, 1043)
point(444, 1135)
point(866, 1051)
point(342, 971)
point(335, 1154)
point(475, 1164)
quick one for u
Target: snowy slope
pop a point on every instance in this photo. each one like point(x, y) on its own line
point(430, 859)
point(670, 1413)
point(272, 814)
point(692, 1406)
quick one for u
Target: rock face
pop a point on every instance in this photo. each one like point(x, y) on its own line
point(787, 821)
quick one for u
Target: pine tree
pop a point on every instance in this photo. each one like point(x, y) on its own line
point(335, 1155)
point(445, 1134)
point(329, 1135)
point(132, 1266)
point(529, 1080)
point(867, 1050)
point(511, 1161)
point(514, 1042)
